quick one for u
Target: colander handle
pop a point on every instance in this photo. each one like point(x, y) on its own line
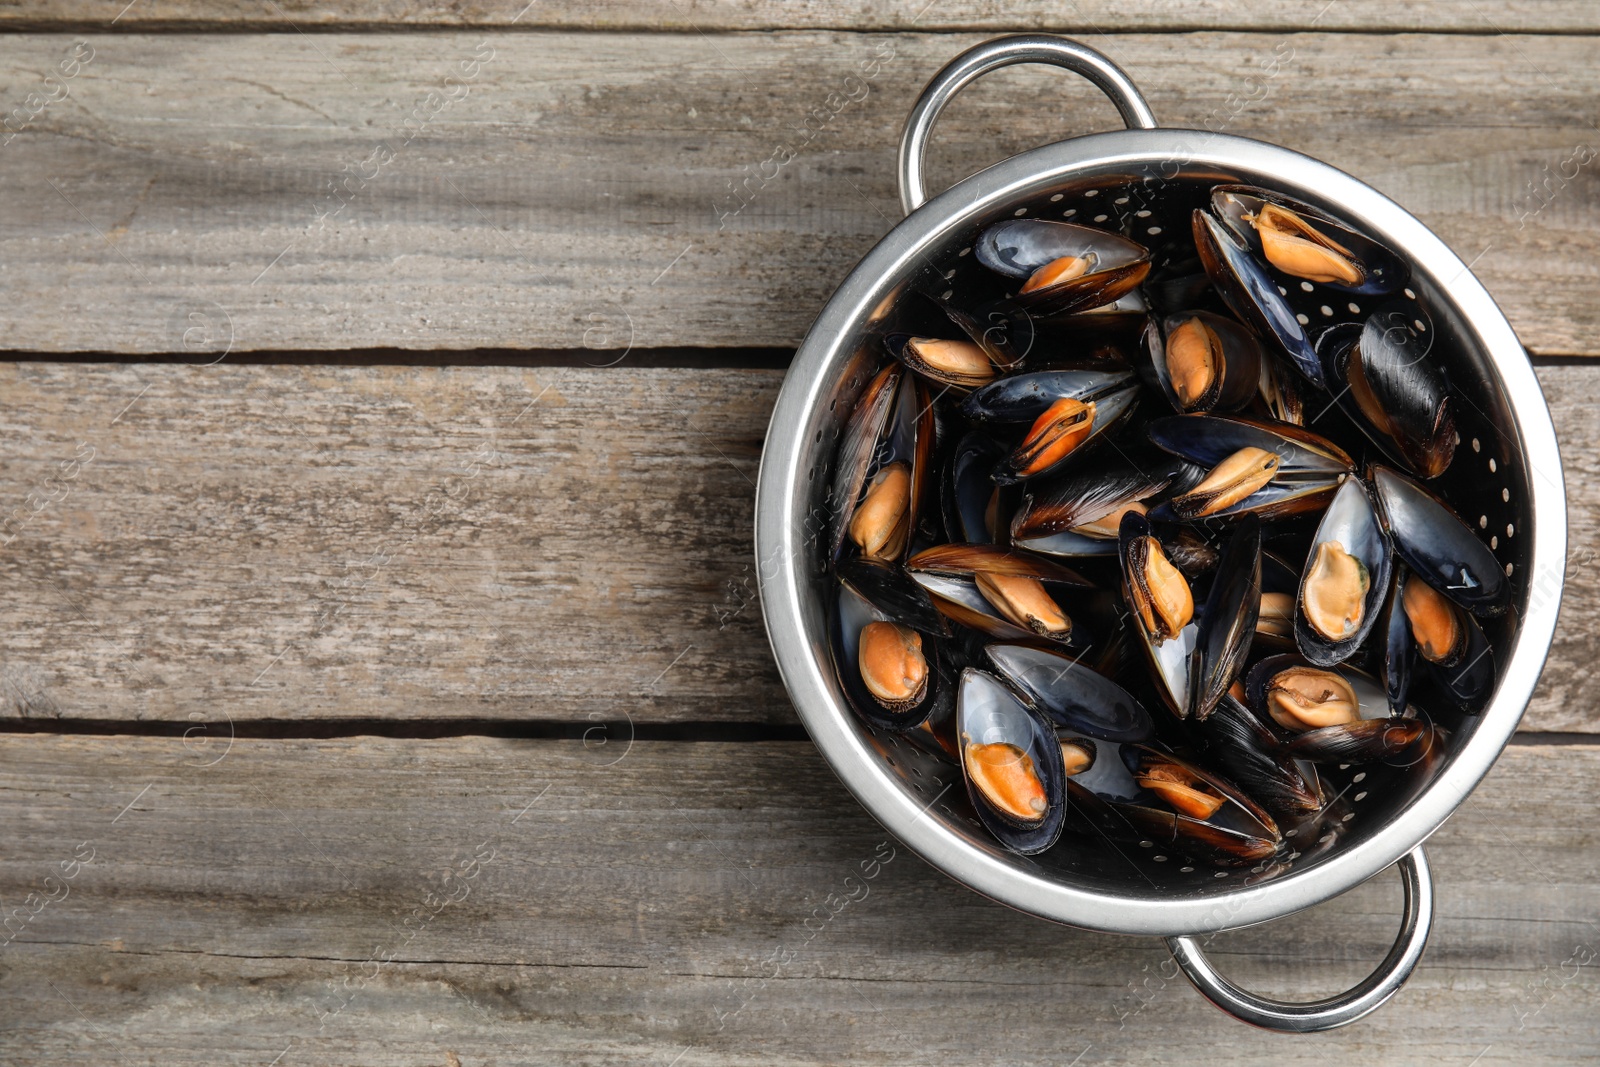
point(1342, 1008)
point(992, 55)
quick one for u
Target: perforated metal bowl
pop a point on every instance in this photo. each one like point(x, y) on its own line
point(1506, 481)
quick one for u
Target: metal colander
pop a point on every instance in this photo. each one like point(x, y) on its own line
point(1144, 182)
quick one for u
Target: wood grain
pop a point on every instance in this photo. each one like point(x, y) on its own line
point(239, 543)
point(285, 191)
point(389, 902)
point(1084, 16)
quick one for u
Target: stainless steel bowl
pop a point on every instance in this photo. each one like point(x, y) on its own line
point(1506, 479)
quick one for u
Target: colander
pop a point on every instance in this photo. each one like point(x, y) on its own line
point(1506, 481)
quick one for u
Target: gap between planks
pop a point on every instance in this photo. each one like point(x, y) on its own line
point(687, 358)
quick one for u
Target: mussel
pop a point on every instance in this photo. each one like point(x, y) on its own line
point(1437, 545)
point(1346, 576)
point(1063, 267)
point(1089, 501)
point(1267, 469)
point(971, 499)
point(1012, 764)
point(1424, 626)
point(1228, 624)
point(1386, 383)
point(1202, 361)
point(1251, 753)
point(1251, 293)
point(1333, 715)
point(1172, 802)
point(1066, 409)
point(884, 458)
point(1005, 593)
point(885, 641)
point(985, 348)
point(1303, 242)
point(1161, 611)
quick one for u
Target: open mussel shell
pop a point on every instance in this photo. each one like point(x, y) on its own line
point(959, 364)
point(884, 460)
point(1002, 329)
point(1063, 267)
point(891, 672)
point(1426, 631)
point(1345, 578)
point(1437, 545)
point(1192, 810)
point(1280, 591)
point(1011, 762)
point(1303, 242)
point(1161, 612)
point(892, 591)
point(1202, 361)
point(1090, 500)
point(1006, 594)
point(981, 347)
point(1469, 681)
point(1075, 698)
point(1307, 469)
point(1069, 409)
point(1386, 379)
point(1298, 697)
point(1252, 294)
point(858, 448)
point(965, 560)
point(1228, 623)
point(971, 499)
point(1250, 753)
point(1024, 397)
point(1063, 433)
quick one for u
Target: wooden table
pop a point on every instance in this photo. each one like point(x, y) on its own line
point(385, 387)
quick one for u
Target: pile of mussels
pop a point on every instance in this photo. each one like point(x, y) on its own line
point(1293, 617)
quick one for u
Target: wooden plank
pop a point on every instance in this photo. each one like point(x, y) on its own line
point(1087, 16)
point(298, 543)
point(395, 902)
point(606, 189)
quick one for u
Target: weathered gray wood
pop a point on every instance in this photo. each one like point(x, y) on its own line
point(581, 189)
point(1087, 16)
point(392, 902)
point(291, 542)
